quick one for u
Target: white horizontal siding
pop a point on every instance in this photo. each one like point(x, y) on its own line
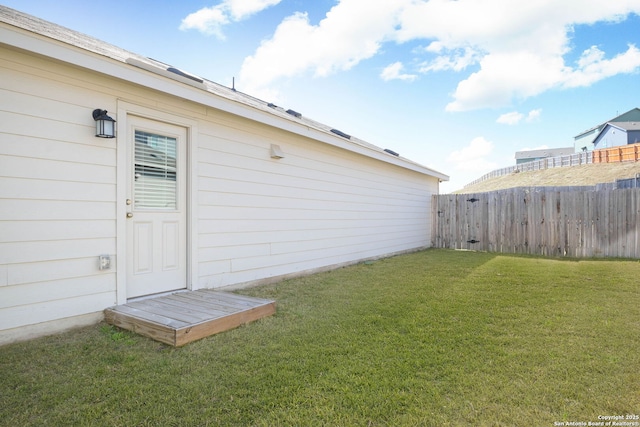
point(14, 317)
point(286, 265)
point(31, 231)
point(57, 194)
point(230, 239)
point(18, 252)
point(52, 190)
point(289, 198)
point(309, 254)
point(34, 293)
point(339, 178)
point(318, 206)
point(257, 217)
point(21, 210)
point(23, 167)
point(46, 148)
point(56, 270)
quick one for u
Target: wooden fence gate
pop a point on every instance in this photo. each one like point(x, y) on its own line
point(579, 222)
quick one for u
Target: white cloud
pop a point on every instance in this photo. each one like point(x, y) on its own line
point(352, 31)
point(241, 9)
point(514, 117)
point(511, 118)
point(210, 20)
point(393, 72)
point(593, 67)
point(507, 76)
point(534, 115)
point(474, 157)
point(521, 48)
point(517, 49)
point(456, 60)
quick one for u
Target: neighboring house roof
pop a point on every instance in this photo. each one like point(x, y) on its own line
point(626, 125)
point(623, 126)
point(210, 93)
point(633, 115)
point(546, 152)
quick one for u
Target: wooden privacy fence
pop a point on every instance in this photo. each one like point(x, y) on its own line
point(579, 222)
point(625, 153)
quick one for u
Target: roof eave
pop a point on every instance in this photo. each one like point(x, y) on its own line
point(61, 51)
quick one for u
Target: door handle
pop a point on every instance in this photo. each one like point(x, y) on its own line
point(129, 215)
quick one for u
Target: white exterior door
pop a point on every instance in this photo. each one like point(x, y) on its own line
point(156, 207)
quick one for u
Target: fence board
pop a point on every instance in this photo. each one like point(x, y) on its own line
point(580, 222)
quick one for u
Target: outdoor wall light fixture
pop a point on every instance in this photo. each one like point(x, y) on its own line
point(105, 125)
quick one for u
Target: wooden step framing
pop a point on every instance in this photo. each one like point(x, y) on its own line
point(183, 317)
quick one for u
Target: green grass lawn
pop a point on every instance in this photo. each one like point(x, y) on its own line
point(434, 338)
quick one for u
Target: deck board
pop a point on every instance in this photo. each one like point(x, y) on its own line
point(197, 311)
point(170, 310)
point(180, 318)
point(216, 304)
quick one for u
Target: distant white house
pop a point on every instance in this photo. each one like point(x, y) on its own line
point(202, 186)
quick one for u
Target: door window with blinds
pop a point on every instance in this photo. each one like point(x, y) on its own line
point(155, 171)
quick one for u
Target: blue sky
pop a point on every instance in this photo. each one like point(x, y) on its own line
point(457, 85)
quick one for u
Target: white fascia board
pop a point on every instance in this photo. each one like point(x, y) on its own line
point(26, 40)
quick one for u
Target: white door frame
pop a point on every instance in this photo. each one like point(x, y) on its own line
point(126, 109)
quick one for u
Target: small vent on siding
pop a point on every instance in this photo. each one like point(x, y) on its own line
point(294, 114)
point(340, 133)
point(393, 153)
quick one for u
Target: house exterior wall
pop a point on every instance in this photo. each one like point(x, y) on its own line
point(633, 136)
point(254, 218)
point(611, 136)
point(319, 205)
point(57, 195)
point(585, 140)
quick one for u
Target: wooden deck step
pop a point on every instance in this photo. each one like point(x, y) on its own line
point(183, 317)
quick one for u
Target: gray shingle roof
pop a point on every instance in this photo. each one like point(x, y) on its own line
point(91, 44)
point(626, 125)
point(602, 125)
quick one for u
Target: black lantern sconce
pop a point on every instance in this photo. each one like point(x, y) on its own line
point(105, 125)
